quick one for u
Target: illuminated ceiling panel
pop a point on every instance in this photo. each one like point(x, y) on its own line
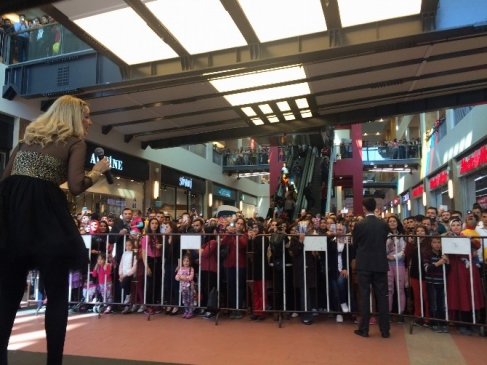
point(354, 12)
point(262, 78)
point(280, 19)
point(200, 26)
point(134, 43)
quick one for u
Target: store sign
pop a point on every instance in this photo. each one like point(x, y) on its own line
point(438, 180)
point(114, 163)
point(418, 192)
point(225, 192)
point(396, 201)
point(122, 165)
point(476, 159)
point(405, 197)
point(186, 182)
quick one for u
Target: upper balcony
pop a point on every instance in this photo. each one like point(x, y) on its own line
point(393, 156)
point(38, 43)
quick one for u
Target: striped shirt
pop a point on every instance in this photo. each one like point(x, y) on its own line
point(433, 273)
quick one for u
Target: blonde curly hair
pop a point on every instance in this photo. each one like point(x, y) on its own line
point(62, 120)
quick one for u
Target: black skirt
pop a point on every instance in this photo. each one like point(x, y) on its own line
point(36, 223)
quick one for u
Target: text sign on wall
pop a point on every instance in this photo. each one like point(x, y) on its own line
point(418, 191)
point(476, 159)
point(439, 179)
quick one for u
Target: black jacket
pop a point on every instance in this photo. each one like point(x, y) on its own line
point(369, 239)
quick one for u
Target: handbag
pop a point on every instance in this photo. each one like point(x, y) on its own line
point(212, 303)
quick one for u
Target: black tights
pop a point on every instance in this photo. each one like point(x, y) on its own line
point(13, 274)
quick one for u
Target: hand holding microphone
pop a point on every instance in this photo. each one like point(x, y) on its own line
point(103, 165)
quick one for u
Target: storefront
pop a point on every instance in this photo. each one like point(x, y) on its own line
point(396, 206)
point(417, 203)
point(180, 193)
point(473, 177)
point(438, 186)
point(130, 175)
point(248, 204)
point(223, 196)
point(405, 205)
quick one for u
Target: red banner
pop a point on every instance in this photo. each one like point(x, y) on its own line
point(418, 191)
point(438, 180)
point(476, 159)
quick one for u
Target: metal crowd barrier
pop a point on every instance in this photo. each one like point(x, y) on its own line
point(315, 247)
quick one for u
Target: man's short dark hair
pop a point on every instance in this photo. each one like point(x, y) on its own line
point(434, 208)
point(419, 218)
point(369, 204)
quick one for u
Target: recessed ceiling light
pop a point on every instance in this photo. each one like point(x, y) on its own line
point(257, 121)
point(273, 119)
point(283, 106)
point(289, 116)
point(306, 114)
point(249, 111)
point(302, 103)
point(266, 109)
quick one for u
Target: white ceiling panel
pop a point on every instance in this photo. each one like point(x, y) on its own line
point(455, 63)
point(459, 45)
point(366, 78)
point(359, 62)
point(173, 92)
point(125, 116)
point(352, 96)
point(452, 79)
point(111, 102)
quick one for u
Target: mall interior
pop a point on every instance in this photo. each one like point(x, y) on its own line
point(198, 104)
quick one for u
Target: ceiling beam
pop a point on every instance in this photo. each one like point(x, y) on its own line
point(240, 19)
point(141, 9)
point(332, 14)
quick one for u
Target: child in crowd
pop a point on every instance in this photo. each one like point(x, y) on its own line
point(185, 277)
point(127, 268)
point(137, 223)
point(433, 261)
point(103, 272)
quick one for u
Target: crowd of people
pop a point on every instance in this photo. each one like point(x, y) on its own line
point(29, 38)
point(257, 252)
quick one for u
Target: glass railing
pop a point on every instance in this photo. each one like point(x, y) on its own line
point(399, 152)
point(38, 43)
point(245, 158)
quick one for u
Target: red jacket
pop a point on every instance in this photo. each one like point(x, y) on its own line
point(231, 241)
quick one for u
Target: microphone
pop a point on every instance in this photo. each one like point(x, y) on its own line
point(101, 154)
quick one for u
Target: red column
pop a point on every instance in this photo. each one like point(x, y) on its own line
point(274, 169)
point(353, 167)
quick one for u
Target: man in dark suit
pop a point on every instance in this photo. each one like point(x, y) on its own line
point(369, 238)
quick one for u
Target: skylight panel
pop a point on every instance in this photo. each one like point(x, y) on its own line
point(200, 26)
point(134, 42)
point(353, 12)
point(280, 19)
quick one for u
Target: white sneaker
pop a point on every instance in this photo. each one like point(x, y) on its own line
point(339, 318)
point(295, 315)
point(134, 308)
point(315, 312)
point(141, 309)
point(345, 308)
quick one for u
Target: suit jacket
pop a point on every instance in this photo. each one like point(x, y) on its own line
point(369, 239)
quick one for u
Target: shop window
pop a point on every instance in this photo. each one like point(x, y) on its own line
point(168, 199)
